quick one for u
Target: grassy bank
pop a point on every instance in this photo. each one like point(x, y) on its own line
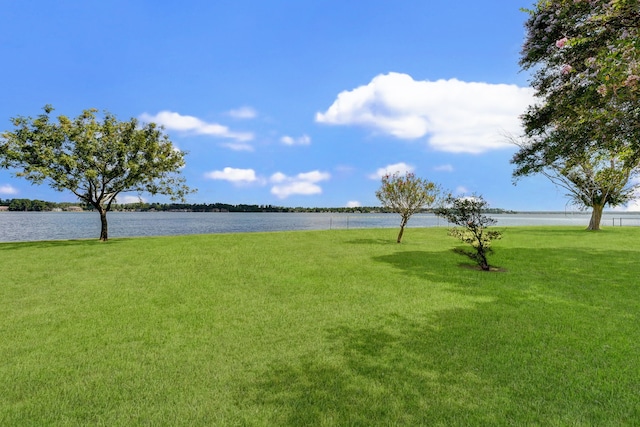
point(337, 327)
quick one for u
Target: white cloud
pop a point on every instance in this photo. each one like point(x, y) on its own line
point(243, 113)
point(632, 206)
point(456, 116)
point(124, 199)
point(233, 175)
point(299, 187)
point(444, 168)
point(8, 189)
point(193, 125)
point(303, 183)
point(313, 176)
point(303, 140)
point(353, 204)
point(460, 190)
point(345, 169)
point(238, 146)
point(401, 168)
point(278, 177)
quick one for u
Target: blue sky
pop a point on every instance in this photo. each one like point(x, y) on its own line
point(287, 102)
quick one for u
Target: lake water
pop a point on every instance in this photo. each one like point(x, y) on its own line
point(31, 226)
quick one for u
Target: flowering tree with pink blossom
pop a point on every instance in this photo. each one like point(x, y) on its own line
point(584, 130)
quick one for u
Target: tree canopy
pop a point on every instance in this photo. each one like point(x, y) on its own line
point(94, 159)
point(406, 194)
point(584, 131)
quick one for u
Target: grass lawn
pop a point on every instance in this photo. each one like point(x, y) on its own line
point(323, 328)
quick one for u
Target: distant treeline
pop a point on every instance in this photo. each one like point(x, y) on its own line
point(224, 207)
point(39, 205)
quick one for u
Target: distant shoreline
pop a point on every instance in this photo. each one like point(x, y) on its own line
point(323, 210)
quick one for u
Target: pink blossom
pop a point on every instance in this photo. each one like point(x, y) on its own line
point(632, 80)
point(567, 69)
point(562, 42)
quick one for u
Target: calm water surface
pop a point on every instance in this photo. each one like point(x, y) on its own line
point(31, 226)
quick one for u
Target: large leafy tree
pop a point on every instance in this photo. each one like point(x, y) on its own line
point(584, 131)
point(406, 195)
point(95, 159)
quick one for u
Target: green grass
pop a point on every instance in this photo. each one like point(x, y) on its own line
point(335, 327)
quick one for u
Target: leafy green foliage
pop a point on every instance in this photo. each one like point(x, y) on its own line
point(467, 213)
point(584, 133)
point(29, 205)
point(94, 159)
point(406, 195)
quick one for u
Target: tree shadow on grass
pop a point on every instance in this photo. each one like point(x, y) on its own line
point(428, 265)
point(437, 261)
point(575, 276)
point(386, 375)
point(488, 365)
point(385, 242)
point(555, 345)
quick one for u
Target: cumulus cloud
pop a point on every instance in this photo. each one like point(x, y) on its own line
point(302, 140)
point(125, 199)
point(632, 206)
point(400, 168)
point(234, 175)
point(444, 168)
point(460, 190)
point(353, 204)
point(243, 113)
point(8, 189)
point(238, 146)
point(455, 116)
point(193, 125)
point(303, 184)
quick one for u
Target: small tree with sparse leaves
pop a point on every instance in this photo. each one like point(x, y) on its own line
point(466, 212)
point(406, 195)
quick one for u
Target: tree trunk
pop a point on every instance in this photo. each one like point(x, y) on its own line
point(402, 224)
point(596, 216)
point(481, 255)
point(103, 225)
point(484, 264)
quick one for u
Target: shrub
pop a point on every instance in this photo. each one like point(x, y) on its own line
point(466, 212)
